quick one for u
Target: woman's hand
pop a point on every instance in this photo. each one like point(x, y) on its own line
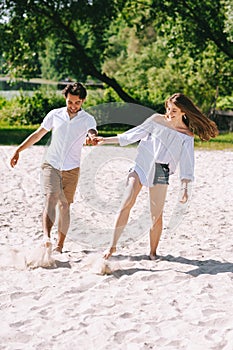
point(185, 190)
point(184, 197)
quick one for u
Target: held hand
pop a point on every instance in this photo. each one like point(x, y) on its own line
point(93, 141)
point(14, 159)
point(88, 141)
point(109, 252)
point(100, 140)
point(97, 140)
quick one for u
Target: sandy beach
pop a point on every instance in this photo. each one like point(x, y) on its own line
point(183, 301)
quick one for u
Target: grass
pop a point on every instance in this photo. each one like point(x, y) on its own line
point(14, 135)
point(11, 135)
point(223, 141)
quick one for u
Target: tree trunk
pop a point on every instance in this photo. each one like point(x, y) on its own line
point(114, 84)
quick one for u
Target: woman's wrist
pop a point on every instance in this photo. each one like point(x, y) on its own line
point(184, 185)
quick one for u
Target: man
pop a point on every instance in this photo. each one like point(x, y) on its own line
point(70, 125)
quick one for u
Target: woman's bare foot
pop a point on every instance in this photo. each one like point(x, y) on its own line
point(153, 256)
point(109, 252)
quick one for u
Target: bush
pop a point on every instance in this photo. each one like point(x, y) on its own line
point(30, 110)
point(225, 103)
point(3, 102)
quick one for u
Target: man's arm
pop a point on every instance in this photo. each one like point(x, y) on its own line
point(29, 141)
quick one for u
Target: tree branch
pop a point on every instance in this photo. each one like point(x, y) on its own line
point(87, 64)
point(217, 37)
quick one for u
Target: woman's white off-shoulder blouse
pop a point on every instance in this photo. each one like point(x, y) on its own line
point(160, 144)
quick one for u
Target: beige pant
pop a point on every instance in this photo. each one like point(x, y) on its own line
point(62, 182)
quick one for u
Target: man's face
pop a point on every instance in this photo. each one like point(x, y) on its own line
point(74, 104)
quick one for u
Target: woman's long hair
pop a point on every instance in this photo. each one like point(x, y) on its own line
point(196, 121)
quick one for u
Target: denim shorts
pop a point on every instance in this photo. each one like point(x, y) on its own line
point(161, 174)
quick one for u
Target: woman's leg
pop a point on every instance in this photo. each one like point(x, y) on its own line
point(157, 200)
point(132, 190)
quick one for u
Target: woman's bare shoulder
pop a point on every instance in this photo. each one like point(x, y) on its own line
point(162, 120)
point(156, 118)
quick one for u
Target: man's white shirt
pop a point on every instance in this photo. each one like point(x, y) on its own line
point(68, 137)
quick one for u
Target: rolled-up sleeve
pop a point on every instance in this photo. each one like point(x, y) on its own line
point(91, 123)
point(187, 160)
point(47, 123)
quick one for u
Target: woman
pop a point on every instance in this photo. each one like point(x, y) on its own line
point(165, 141)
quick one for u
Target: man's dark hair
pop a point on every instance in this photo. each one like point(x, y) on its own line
point(76, 89)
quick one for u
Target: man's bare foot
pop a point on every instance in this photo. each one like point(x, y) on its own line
point(47, 243)
point(109, 252)
point(57, 249)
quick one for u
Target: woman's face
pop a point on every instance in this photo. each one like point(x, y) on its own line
point(173, 112)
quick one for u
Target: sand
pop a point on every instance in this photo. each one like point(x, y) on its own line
point(183, 301)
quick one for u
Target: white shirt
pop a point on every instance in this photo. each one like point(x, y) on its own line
point(68, 137)
point(160, 144)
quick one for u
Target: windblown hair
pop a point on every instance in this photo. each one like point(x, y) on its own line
point(195, 120)
point(76, 89)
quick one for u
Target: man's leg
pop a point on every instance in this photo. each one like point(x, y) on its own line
point(49, 215)
point(69, 185)
point(51, 181)
point(63, 224)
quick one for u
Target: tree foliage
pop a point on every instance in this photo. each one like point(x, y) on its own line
point(28, 110)
point(143, 50)
point(80, 26)
point(191, 22)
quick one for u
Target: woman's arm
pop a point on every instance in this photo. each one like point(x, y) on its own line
point(187, 168)
point(110, 140)
point(130, 136)
point(185, 190)
point(99, 140)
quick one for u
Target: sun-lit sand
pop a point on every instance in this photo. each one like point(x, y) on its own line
point(182, 301)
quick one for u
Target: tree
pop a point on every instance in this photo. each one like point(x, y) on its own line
point(80, 26)
point(196, 22)
point(81, 32)
point(152, 68)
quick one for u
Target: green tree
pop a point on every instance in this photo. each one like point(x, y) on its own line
point(54, 62)
point(195, 23)
point(151, 69)
point(80, 27)
point(82, 35)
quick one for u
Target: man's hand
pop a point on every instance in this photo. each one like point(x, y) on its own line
point(14, 159)
point(93, 140)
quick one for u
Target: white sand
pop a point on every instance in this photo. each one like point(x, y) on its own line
point(182, 302)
